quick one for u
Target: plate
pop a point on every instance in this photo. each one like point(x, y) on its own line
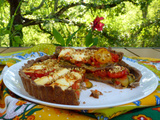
point(111, 96)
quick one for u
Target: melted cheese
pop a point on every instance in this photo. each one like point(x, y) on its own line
point(62, 77)
point(76, 55)
point(79, 56)
point(43, 80)
point(61, 72)
point(33, 68)
point(77, 75)
point(37, 67)
point(67, 80)
point(63, 83)
point(66, 51)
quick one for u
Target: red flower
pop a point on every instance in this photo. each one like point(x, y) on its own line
point(97, 24)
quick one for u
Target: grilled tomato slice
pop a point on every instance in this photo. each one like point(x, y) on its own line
point(103, 56)
point(117, 72)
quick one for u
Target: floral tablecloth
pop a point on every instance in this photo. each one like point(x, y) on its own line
point(13, 107)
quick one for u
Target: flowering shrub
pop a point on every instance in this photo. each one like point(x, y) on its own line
point(96, 25)
point(89, 40)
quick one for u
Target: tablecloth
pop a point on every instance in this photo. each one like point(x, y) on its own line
point(13, 107)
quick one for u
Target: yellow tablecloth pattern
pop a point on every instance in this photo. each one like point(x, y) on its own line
point(16, 108)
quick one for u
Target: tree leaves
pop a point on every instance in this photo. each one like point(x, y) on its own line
point(89, 41)
point(77, 13)
point(58, 37)
point(61, 40)
point(71, 36)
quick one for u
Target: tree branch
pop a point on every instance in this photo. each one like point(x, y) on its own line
point(28, 22)
point(55, 5)
point(140, 28)
point(35, 8)
point(44, 30)
point(91, 5)
point(65, 8)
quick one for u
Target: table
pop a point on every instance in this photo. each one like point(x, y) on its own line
point(128, 51)
point(43, 112)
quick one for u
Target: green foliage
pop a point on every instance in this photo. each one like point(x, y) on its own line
point(69, 39)
point(129, 24)
point(60, 39)
point(89, 40)
point(17, 41)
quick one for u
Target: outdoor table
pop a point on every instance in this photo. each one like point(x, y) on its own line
point(128, 51)
point(15, 107)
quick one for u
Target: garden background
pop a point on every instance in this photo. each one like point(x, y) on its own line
point(127, 23)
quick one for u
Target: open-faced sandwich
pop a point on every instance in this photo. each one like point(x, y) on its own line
point(59, 78)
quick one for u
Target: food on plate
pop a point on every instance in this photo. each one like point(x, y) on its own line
point(87, 83)
point(101, 64)
point(45, 80)
point(119, 76)
point(59, 78)
point(88, 58)
point(95, 93)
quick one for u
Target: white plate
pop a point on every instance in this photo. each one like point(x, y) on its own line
point(111, 96)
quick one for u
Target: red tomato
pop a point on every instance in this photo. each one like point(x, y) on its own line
point(67, 58)
point(92, 61)
point(29, 73)
point(115, 57)
point(86, 80)
point(49, 72)
point(117, 82)
point(100, 73)
point(75, 86)
point(39, 73)
point(117, 74)
point(124, 77)
point(78, 93)
point(32, 75)
point(78, 64)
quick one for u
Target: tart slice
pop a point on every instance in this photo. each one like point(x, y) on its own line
point(89, 58)
point(45, 80)
point(119, 76)
point(101, 64)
